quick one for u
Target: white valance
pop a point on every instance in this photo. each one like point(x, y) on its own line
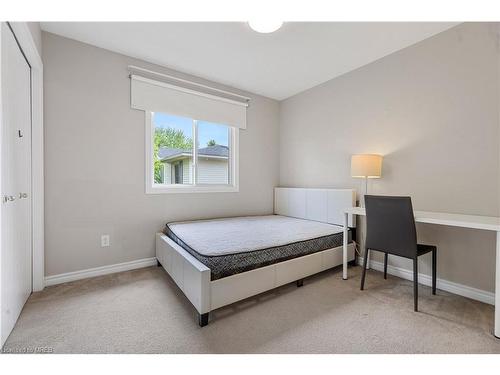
point(157, 96)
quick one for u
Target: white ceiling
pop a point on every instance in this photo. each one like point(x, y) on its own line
point(295, 58)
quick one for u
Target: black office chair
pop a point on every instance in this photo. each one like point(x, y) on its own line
point(390, 228)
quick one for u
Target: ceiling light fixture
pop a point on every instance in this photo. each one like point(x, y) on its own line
point(265, 26)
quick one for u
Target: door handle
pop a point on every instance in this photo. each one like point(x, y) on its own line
point(23, 195)
point(8, 198)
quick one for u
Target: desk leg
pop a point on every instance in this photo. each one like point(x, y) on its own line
point(497, 290)
point(344, 247)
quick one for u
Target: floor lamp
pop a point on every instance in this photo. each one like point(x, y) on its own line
point(366, 166)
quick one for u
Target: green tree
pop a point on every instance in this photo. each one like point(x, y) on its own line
point(172, 138)
point(211, 142)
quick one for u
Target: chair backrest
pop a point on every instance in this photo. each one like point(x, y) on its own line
point(390, 225)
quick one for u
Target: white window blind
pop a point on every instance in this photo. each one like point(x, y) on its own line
point(181, 99)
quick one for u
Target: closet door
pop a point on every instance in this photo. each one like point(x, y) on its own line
point(15, 262)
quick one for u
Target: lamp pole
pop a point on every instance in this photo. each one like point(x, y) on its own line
point(367, 254)
point(362, 201)
point(365, 166)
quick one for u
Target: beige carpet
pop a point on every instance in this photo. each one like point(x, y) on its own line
point(142, 311)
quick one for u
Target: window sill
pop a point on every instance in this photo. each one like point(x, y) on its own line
point(180, 189)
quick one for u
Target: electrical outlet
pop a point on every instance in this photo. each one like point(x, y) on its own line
point(105, 240)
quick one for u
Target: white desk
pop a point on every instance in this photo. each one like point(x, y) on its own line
point(453, 220)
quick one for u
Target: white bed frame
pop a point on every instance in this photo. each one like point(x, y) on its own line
point(193, 277)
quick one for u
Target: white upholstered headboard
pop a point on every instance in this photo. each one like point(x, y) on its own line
point(325, 205)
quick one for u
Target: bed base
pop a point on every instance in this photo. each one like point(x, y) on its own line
point(203, 319)
point(193, 277)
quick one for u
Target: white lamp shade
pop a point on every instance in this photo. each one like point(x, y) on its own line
point(366, 166)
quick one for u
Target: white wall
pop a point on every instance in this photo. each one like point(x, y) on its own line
point(432, 111)
point(36, 33)
point(94, 162)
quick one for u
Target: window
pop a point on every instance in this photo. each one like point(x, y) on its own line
point(192, 133)
point(178, 173)
point(189, 155)
point(173, 147)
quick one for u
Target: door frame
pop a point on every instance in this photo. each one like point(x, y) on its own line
point(28, 46)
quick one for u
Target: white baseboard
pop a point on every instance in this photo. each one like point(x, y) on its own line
point(447, 286)
point(99, 271)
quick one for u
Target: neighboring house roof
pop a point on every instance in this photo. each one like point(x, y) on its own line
point(216, 151)
point(167, 152)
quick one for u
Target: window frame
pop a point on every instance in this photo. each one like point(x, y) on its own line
point(233, 170)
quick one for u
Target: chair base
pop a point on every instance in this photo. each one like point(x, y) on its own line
point(431, 249)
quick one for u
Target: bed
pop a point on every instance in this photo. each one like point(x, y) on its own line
point(217, 262)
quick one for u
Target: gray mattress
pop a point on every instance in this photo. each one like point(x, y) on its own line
point(233, 245)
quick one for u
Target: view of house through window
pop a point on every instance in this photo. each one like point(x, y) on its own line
point(213, 153)
point(175, 139)
point(173, 149)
